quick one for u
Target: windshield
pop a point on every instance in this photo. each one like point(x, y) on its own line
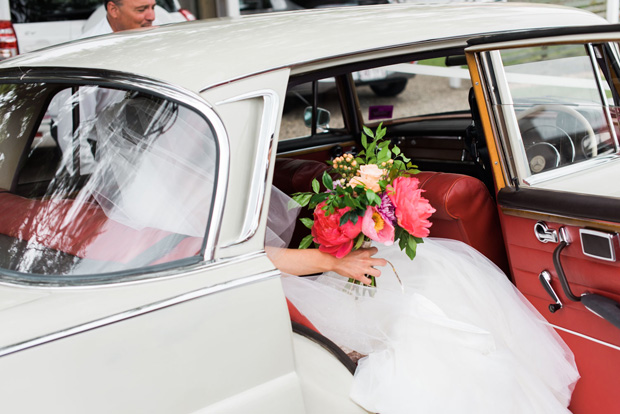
point(96, 180)
point(564, 102)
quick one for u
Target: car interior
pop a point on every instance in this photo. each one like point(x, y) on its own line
point(435, 121)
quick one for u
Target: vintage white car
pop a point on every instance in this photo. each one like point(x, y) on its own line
point(133, 276)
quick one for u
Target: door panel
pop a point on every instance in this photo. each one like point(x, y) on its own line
point(548, 115)
point(594, 341)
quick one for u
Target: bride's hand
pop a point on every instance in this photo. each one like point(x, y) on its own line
point(359, 263)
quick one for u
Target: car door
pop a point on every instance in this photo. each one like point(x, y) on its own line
point(114, 293)
point(549, 103)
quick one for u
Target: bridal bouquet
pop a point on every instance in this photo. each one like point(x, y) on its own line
point(376, 197)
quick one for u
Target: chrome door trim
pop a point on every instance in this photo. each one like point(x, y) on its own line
point(601, 91)
point(589, 338)
point(142, 310)
point(267, 131)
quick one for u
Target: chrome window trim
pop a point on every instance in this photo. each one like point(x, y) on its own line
point(267, 131)
point(601, 91)
point(134, 82)
point(142, 310)
point(568, 169)
point(511, 122)
point(497, 125)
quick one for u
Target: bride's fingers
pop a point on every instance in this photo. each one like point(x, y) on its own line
point(373, 272)
point(365, 280)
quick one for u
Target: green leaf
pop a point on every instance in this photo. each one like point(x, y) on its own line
point(349, 216)
point(358, 241)
point(308, 222)
point(368, 131)
point(306, 242)
point(316, 187)
point(364, 141)
point(383, 155)
point(372, 197)
point(410, 252)
point(396, 151)
point(349, 201)
point(402, 242)
point(317, 198)
point(302, 199)
point(380, 133)
point(371, 147)
point(327, 181)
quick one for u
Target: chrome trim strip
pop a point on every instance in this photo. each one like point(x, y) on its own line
point(108, 320)
point(589, 338)
point(264, 146)
point(569, 169)
point(151, 86)
point(168, 274)
point(599, 75)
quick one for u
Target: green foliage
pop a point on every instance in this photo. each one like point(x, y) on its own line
point(306, 242)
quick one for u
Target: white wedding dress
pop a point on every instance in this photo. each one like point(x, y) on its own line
point(455, 337)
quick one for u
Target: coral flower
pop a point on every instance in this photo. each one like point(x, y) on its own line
point(333, 238)
point(411, 209)
point(377, 228)
point(369, 177)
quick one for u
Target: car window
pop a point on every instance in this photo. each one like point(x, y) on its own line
point(34, 11)
point(563, 104)
point(106, 180)
point(297, 117)
point(428, 86)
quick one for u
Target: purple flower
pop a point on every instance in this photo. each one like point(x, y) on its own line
point(386, 209)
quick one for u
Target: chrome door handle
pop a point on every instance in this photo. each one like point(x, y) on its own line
point(544, 234)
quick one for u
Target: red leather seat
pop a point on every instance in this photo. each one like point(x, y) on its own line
point(465, 212)
point(83, 230)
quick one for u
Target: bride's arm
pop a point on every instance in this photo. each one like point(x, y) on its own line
point(309, 261)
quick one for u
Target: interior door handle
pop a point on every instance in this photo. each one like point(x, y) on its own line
point(544, 234)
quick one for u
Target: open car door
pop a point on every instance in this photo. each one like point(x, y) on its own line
point(549, 102)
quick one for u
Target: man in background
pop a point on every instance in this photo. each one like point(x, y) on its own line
point(124, 15)
point(119, 15)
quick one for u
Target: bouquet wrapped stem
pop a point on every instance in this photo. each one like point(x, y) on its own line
point(366, 244)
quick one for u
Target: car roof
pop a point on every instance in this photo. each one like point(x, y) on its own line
point(200, 54)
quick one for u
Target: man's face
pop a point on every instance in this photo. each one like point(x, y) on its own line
point(131, 14)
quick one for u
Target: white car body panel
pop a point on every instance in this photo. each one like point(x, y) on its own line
point(269, 50)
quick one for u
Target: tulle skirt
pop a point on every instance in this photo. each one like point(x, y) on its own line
point(455, 337)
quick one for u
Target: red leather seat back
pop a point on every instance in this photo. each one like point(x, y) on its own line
point(465, 212)
point(465, 209)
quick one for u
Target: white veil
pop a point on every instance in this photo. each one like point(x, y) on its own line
point(155, 166)
point(281, 220)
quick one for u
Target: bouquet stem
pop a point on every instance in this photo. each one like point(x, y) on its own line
point(373, 281)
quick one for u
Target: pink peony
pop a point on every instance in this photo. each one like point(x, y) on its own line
point(377, 228)
point(411, 209)
point(333, 238)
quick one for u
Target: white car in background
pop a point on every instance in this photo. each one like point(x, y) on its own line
point(27, 25)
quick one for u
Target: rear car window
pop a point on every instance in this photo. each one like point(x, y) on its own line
point(97, 180)
point(35, 11)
